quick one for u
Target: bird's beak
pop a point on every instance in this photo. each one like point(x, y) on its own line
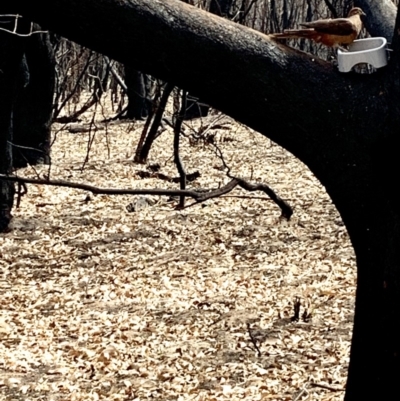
point(363, 14)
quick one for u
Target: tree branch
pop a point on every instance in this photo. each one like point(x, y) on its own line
point(147, 138)
point(177, 157)
point(285, 207)
point(329, 128)
point(279, 80)
point(198, 196)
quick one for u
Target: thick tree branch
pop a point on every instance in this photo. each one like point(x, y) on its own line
point(279, 81)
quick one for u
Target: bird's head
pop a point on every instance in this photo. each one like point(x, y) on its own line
point(356, 11)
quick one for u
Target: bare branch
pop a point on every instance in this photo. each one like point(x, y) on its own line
point(287, 211)
point(105, 191)
point(121, 82)
point(327, 387)
point(14, 31)
point(177, 158)
point(253, 340)
point(198, 196)
point(146, 139)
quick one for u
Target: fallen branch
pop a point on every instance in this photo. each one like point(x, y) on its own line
point(287, 211)
point(147, 174)
point(104, 191)
point(327, 387)
point(198, 196)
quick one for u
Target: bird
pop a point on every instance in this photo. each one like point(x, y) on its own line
point(334, 33)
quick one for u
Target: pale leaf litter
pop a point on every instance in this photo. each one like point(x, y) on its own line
point(163, 304)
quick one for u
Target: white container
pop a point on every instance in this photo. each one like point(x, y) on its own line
point(370, 51)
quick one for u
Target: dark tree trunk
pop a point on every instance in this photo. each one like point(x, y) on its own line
point(221, 7)
point(142, 152)
point(138, 101)
point(343, 126)
point(11, 52)
point(33, 109)
point(375, 350)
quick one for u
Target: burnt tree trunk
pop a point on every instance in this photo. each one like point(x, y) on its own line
point(11, 62)
point(343, 126)
point(33, 109)
point(139, 103)
point(143, 148)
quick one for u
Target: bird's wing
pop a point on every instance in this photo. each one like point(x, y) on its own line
point(338, 26)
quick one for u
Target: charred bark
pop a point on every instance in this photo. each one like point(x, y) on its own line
point(11, 60)
point(146, 141)
point(33, 109)
point(139, 103)
point(343, 126)
point(177, 157)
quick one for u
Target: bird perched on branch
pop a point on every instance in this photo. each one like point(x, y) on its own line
point(330, 32)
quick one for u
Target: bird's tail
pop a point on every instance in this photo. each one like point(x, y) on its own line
point(293, 34)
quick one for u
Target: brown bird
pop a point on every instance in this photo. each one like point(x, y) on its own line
point(330, 32)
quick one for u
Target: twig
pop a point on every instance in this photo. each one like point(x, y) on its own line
point(219, 153)
point(247, 197)
point(327, 387)
point(147, 174)
point(117, 77)
point(300, 394)
point(253, 340)
point(24, 147)
point(22, 35)
point(22, 190)
point(286, 209)
point(90, 139)
point(71, 94)
point(177, 158)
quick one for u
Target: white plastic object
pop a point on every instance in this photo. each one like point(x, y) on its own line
point(371, 51)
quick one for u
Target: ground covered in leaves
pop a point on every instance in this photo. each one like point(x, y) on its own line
point(108, 297)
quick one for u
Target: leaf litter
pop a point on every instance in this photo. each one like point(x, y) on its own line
point(99, 303)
